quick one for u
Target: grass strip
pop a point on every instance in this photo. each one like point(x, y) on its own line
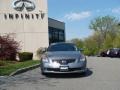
point(10, 67)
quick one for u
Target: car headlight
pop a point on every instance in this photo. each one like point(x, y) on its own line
point(82, 58)
point(45, 59)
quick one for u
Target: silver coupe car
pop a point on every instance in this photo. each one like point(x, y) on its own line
point(63, 58)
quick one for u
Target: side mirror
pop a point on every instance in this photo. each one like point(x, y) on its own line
point(81, 49)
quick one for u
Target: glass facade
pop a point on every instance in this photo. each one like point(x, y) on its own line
point(56, 35)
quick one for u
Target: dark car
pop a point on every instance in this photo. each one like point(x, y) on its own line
point(118, 53)
point(104, 53)
point(114, 52)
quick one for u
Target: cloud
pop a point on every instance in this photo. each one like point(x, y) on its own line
point(73, 16)
point(116, 10)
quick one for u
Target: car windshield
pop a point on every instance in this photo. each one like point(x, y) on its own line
point(62, 47)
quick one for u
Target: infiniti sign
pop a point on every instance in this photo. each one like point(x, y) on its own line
point(20, 5)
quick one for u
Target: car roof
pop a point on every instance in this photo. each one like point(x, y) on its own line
point(115, 48)
point(61, 43)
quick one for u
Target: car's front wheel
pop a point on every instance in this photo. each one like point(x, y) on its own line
point(42, 70)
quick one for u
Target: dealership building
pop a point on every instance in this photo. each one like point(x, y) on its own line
point(28, 21)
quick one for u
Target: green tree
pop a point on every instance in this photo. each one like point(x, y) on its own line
point(106, 35)
point(104, 26)
point(116, 42)
point(78, 42)
point(91, 46)
point(108, 42)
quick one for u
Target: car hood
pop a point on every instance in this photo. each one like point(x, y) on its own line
point(63, 54)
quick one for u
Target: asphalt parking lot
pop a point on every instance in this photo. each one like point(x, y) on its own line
point(103, 74)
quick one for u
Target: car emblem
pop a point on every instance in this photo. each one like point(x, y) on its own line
point(64, 62)
point(20, 5)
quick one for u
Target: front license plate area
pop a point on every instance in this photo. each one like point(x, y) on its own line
point(64, 68)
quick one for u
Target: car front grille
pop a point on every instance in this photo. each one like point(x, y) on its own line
point(58, 69)
point(64, 61)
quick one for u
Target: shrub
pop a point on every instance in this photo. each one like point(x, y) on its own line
point(23, 56)
point(8, 47)
point(40, 51)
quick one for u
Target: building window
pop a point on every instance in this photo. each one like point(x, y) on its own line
point(56, 35)
point(61, 36)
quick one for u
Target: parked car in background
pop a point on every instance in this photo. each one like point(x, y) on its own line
point(104, 53)
point(118, 54)
point(63, 58)
point(113, 52)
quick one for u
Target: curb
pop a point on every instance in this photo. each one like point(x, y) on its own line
point(2, 76)
point(19, 71)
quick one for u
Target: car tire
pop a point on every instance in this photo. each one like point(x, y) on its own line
point(42, 72)
point(84, 73)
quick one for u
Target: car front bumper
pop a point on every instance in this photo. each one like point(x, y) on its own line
point(71, 68)
point(57, 70)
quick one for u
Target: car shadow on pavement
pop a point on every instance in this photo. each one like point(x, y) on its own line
point(73, 75)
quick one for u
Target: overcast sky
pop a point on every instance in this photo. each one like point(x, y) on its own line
point(77, 14)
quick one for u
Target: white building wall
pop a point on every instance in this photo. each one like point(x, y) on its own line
point(33, 32)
